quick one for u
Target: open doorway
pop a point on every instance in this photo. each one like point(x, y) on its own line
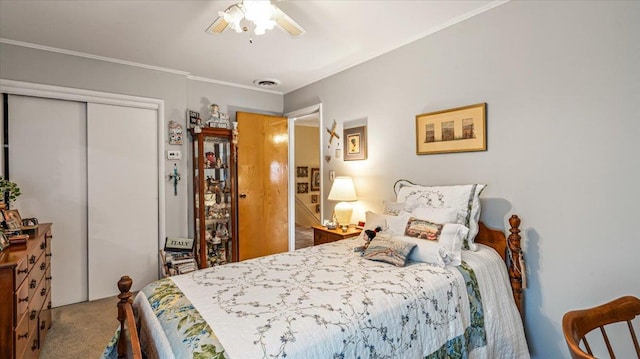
point(305, 175)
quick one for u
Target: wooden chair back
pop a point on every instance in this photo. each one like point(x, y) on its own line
point(576, 324)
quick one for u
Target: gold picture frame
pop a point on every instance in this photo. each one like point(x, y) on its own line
point(461, 129)
point(355, 143)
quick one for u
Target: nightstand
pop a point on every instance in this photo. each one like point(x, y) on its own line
point(323, 235)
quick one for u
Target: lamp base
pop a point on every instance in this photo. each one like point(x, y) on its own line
point(343, 211)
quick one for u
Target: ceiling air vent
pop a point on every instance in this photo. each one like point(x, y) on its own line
point(267, 83)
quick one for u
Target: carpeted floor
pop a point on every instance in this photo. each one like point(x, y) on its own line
point(81, 330)
point(304, 237)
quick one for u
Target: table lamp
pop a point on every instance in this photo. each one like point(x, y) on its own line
point(344, 191)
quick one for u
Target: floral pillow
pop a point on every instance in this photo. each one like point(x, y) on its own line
point(464, 198)
point(385, 249)
point(422, 229)
point(445, 249)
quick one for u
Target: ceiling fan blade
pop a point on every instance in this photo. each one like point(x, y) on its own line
point(218, 26)
point(287, 24)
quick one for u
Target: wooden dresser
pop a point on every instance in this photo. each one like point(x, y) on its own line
point(25, 295)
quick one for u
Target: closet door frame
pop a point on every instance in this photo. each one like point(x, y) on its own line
point(72, 94)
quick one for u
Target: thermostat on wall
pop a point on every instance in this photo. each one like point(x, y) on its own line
point(174, 155)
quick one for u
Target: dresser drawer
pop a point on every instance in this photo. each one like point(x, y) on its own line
point(21, 335)
point(22, 300)
point(44, 322)
point(21, 272)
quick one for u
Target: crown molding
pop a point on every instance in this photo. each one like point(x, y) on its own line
point(131, 63)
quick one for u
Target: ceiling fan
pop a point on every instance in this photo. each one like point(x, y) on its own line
point(256, 16)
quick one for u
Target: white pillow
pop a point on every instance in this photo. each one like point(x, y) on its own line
point(393, 208)
point(437, 215)
point(393, 224)
point(447, 250)
point(465, 198)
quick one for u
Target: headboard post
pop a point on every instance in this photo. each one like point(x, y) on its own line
point(124, 285)
point(516, 262)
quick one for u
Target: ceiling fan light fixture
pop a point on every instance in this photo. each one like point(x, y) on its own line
point(233, 15)
point(261, 13)
point(267, 83)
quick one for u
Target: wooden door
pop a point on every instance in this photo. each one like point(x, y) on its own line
point(262, 185)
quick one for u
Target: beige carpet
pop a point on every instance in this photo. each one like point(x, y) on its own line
point(81, 330)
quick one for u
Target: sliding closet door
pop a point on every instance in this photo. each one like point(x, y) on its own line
point(47, 158)
point(122, 159)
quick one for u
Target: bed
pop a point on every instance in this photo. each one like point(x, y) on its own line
point(330, 301)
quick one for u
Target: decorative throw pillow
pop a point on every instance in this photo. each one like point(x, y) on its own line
point(385, 249)
point(393, 224)
point(422, 229)
point(447, 250)
point(392, 208)
point(464, 198)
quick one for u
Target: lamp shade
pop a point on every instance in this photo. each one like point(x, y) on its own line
point(343, 190)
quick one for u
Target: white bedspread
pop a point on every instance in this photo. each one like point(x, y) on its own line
point(328, 302)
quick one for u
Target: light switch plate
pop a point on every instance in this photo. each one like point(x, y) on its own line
point(174, 155)
point(332, 175)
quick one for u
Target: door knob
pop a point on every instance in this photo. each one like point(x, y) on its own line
point(243, 195)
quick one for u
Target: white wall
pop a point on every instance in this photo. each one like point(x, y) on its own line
point(178, 92)
point(562, 84)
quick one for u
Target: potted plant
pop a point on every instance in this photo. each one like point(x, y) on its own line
point(9, 191)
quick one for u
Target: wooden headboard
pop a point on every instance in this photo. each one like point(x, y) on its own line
point(508, 248)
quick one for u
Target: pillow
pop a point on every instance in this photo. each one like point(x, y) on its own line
point(464, 198)
point(385, 249)
point(393, 224)
point(392, 208)
point(437, 215)
point(446, 250)
point(422, 229)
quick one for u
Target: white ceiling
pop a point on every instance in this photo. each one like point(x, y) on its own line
point(171, 34)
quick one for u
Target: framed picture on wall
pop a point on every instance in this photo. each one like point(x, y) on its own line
point(314, 198)
point(355, 143)
point(303, 187)
point(315, 179)
point(317, 208)
point(302, 171)
point(462, 129)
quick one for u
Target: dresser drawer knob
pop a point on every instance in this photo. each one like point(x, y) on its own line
point(23, 336)
point(49, 305)
point(48, 278)
point(43, 245)
point(33, 283)
point(43, 266)
point(32, 316)
point(25, 299)
point(47, 236)
point(43, 324)
point(35, 345)
point(20, 271)
point(48, 255)
point(32, 259)
point(43, 292)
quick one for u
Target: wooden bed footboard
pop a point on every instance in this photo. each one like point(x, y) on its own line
point(128, 346)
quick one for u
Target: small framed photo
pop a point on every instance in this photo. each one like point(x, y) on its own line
point(12, 219)
point(314, 198)
point(315, 179)
point(302, 171)
point(4, 241)
point(303, 187)
point(317, 208)
point(355, 143)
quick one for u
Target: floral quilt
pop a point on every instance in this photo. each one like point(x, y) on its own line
point(324, 302)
